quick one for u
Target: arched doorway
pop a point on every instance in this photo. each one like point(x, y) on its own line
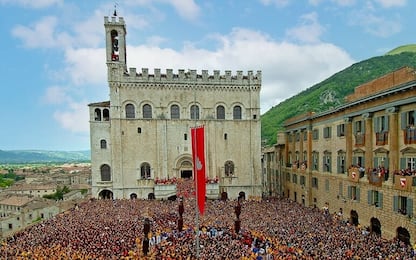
point(224, 196)
point(375, 226)
point(403, 235)
point(105, 194)
point(133, 196)
point(186, 174)
point(151, 196)
point(354, 218)
point(184, 166)
point(241, 195)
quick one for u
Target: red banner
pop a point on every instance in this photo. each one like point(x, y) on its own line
point(198, 157)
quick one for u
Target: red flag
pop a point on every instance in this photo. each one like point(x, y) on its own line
point(198, 157)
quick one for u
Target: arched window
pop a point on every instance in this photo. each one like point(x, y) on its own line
point(105, 173)
point(130, 112)
point(194, 112)
point(147, 111)
point(220, 112)
point(145, 171)
point(237, 112)
point(103, 144)
point(174, 112)
point(229, 168)
point(106, 114)
point(97, 114)
point(114, 43)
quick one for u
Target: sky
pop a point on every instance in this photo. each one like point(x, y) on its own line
point(53, 52)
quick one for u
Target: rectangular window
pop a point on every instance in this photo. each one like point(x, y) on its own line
point(185, 137)
point(302, 180)
point(341, 130)
point(375, 198)
point(403, 205)
point(295, 179)
point(315, 182)
point(327, 132)
point(353, 193)
point(315, 134)
point(315, 161)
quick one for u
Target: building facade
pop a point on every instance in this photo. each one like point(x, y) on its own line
point(358, 158)
point(140, 138)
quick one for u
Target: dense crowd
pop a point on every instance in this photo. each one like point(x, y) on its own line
point(270, 229)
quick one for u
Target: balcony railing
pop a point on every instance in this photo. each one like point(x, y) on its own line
point(404, 183)
point(382, 138)
point(410, 135)
point(359, 139)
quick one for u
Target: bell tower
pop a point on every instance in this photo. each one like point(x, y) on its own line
point(115, 39)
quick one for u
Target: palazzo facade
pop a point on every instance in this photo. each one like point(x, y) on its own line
point(140, 138)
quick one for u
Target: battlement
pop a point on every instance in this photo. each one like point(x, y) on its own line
point(115, 20)
point(192, 76)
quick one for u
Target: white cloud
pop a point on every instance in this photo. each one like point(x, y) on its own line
point(391, 3)
point(309, 31)
point(376, 25)
point(188, 9)
point(86, 66)
point(279, 3)
point(42, 34)
point(55, 95)
point(32, 3)
point(74, 118)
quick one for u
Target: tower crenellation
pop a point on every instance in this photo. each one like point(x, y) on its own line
point(192, 75)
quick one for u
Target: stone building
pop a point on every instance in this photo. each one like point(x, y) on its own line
point(358, 158)
point(140, 138)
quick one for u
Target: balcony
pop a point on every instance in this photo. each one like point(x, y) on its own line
point(409, 135)
point(382, 138)
point(404, 183)
point(359, 139)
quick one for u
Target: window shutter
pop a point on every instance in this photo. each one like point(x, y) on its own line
point(375, 162)
point(380, 200)
point(338, 164)
point(402, 163)
point(369, 198)
point(409, 206)
point(358, 193)
point(386, 163)
point(386, 123)
point(376, 124)
point(354, 128)
point(354, 160)
point(363, 126)
point(349, 192)
point(403, 120)
point(395, 203)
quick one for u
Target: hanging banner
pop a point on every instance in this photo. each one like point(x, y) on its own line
point(198, 157)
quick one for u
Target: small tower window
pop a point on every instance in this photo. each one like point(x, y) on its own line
point(103, 144)
point(106, 114)
point(97, 114)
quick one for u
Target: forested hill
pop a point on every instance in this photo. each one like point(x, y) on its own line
point(332, 91)
point(39, 156)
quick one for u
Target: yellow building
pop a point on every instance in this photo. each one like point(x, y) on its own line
point(358, 158)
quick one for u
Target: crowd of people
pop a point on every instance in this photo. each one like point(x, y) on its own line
point(270, 229)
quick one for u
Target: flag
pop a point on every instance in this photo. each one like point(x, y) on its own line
point(198, 157)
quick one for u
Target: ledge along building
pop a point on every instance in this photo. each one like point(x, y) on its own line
point(140, 138)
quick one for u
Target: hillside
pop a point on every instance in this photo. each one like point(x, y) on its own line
point(332, 91)
point(38, 156)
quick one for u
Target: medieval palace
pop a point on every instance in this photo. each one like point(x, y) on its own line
point(140, 138)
